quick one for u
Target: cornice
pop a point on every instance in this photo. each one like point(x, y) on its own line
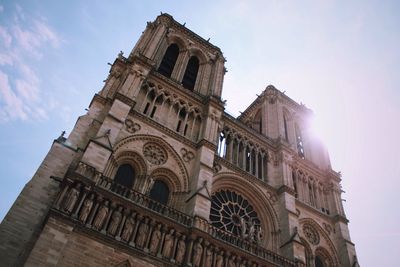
point(176, 25)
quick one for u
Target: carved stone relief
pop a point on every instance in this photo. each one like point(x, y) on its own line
point(311, 234)
point(131, 126)
point(154, 154)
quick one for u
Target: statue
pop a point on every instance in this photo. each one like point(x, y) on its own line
point(115, 220)
point(198, 251)
point(142, 235)
point(155, 239)
point(128, 228)
point(259, 234)
point(231, 262)
point(220, 260)
point(101, 216)
point(168, 244)
point(180, 254)
point(86, 207)
point(72, 198)
point(243, 226)
point(209, 259)
point(252, 230)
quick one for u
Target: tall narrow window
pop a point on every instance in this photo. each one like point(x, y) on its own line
point(125, 175)
point(285, 126)
point(300, 146)
point(189, 79)
point(160, 192)
point(168, 62)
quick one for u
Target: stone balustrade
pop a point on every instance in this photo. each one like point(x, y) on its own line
point(133, 220)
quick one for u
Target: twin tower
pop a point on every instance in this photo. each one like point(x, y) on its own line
point(157, 174)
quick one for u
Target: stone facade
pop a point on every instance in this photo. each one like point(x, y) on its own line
point(157, 174)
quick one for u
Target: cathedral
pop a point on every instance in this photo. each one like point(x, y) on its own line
point(156, 173)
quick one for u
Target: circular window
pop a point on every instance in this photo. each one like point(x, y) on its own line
point(233, 213)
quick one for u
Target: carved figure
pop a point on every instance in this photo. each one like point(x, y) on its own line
point(155, 239)
point(231, 262)
point(181, 250)
point(220, 260)
point(252, 230)
point(101, 216)
point(142, 235)
point(243, 226)
point(259, 234)
point(72, 198)
point(168, 244)
point(208, 260)
point(115, 220)
point(128, 228)
point(86, 207)
point(198, 251)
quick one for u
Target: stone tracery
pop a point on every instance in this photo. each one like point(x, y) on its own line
point(233, 213)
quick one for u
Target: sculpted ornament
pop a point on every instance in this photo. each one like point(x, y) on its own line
point(155, 239)
point(131, 126)
point(198, 251)
point(168, 243)
point(101, 216)
point(115, 220)
point(187, 155)
point(154, 154)
point(142, 235)
point(128, 228)
point(87, 206)
point(311, 235)
point(72, 198)
point(181, 250)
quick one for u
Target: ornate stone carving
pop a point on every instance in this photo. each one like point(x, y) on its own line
point(168, 244)
point(155, 239)
point(72, 198)
point(311, 234)
point(198, 251)
point(115, 220)
point(216, 167)
point(187, 155)
point(131, 126)
point(128, 228)
point(101, 216)
point(142, 235)
point(209, 258)
point(154, 154)
point(233, 213)
point(180, 253)
point(220, 260)
point(86, 207)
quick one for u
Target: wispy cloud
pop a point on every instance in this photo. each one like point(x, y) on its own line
point(23, 41)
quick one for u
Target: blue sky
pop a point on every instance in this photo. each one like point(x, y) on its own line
point(340, 58)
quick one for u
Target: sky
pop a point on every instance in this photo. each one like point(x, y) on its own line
point(340, 58)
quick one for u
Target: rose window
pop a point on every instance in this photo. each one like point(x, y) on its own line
point(233, 213)
point(154, 153)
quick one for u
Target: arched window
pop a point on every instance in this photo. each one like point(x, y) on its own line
point(285, 126)
point(160, 192)
point(169, 60)
point(318, 262)
point(189, 79)
point(299, 139)
point(125, 175)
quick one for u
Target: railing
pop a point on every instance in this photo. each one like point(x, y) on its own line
point(144, 201)
point(250, 247)
point(128, 224)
